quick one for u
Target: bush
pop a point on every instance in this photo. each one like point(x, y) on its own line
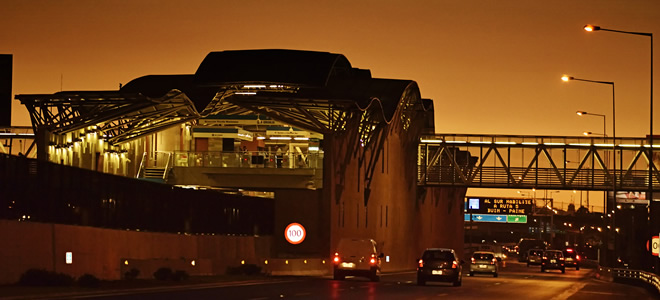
point(131, 274)
point(40, 277)
point(88, 280)
point(163, 274)
point(180, 275)
point(247, 269)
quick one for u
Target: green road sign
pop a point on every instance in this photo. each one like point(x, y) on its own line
point(516, 219)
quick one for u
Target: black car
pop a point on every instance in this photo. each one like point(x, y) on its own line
point(572, 258)
point(439, 264)
point(553, 260)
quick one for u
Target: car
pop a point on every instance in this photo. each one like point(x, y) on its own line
point(534, 256)
point(553, 260)
point(525, 244)
point(440, 264)
point(572, 258)
point(484, 262)
point(357, 257)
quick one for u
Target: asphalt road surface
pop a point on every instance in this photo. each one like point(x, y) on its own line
point(516, 281)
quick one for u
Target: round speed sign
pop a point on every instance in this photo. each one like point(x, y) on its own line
point(294, 233)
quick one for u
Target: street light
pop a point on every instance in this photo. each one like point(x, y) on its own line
point(568, 78)
point(588, 133)
point(653, 208)
point(584, 113)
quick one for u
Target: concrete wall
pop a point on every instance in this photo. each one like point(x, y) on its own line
point(105, 252)
point(403, 218)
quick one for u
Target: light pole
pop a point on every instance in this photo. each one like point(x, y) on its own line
point(654, 209)
point(584, 113)
point(614, 169)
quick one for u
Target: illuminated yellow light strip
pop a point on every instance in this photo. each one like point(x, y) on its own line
point(280, 138)
point(554, 144)
point(604, 145)
point(480, 142)
point(246, 93)
point(505, 143)
point(530, 143)
point(456, 142)
point(431, 141)
point(578, 144)
point(301, 139)
point(630, 145)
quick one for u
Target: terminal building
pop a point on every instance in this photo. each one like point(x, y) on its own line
point(313, 139)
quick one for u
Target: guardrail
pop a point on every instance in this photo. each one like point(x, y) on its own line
point(630, 276)
point(647, 277)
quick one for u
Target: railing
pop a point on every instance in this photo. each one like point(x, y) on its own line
point(651, 279)
point(494, 161)
point(142, 162)
point(248, 159)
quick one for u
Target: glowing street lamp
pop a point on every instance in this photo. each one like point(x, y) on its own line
point(654, 207)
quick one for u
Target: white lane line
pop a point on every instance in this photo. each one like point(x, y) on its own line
point(602, 293)
point(570, 291)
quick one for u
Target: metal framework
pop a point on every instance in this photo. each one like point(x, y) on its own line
point(118, 117)
point(544, 162)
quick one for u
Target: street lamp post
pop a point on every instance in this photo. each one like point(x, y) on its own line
point(654, 209)
point(584, 113)
point(614, 168)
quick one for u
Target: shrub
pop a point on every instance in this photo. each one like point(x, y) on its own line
point(40, 277)
point(88, 280)
point(131, 274)
point(180, 275)
point(163, 274)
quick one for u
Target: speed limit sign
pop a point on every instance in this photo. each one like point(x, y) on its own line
point(294, 233)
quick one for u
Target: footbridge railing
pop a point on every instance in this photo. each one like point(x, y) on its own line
point(546, 162)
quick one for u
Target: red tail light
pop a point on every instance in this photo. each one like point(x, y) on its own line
point(336, 259)
point(561, 258)
point(472, 259)
point(373, 259)
point(545, 257)
point(421, 263)
point(577, 257)
point(492, 262)
point(454, 264)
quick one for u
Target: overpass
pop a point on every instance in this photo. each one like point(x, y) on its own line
point(541, 162)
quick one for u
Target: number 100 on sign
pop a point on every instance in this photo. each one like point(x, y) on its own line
point(294, 233)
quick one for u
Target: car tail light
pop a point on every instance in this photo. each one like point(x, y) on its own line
point(472, 260)
point(545, 257)
point(336, 259)
point(569, 250)
point(373, 259)
point(454, 264)
point(577, 257)
point(421, 263)
point(493, 261)
point(561, 258)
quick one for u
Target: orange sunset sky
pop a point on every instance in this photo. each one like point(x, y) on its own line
point(491, 66)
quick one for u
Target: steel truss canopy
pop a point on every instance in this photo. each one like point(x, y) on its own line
point(315, 91)
point(543, 162)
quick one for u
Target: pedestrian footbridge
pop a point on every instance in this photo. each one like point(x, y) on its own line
point(543, 162)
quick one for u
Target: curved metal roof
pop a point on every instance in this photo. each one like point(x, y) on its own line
point(314, 90)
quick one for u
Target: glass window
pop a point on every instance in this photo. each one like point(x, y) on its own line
point(482, 256)
point(441, 255)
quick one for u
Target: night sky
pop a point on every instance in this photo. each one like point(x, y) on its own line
point(491, 67)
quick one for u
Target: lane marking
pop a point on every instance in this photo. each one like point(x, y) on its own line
point(570, 291)
point(603, 293)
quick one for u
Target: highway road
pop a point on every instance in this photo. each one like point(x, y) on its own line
point(516, 281)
